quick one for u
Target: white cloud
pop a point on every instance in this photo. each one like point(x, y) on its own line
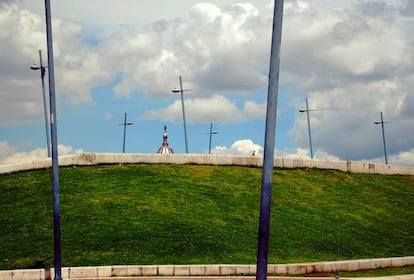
point(205, 12)
point(354, 66)
point(150, 59)
point(9, 154)
point(111, 17)
point(77, 68)
point(352, 63)
point(304, 153)
point(217, 109)
point(252, 109)
point(204, 41)
point(403, 158)
point(293, 153)
point(239, 147)
point(21, 31)
point(248, 147)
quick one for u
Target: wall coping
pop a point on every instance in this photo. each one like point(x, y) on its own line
point(208, 159)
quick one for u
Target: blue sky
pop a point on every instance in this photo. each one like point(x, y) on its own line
point(351, 60)
point(84, 126)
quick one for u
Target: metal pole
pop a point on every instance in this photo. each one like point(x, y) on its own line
point(211, 132)
point(55, 165)
point(269, 146)
point(383, 139)
point(42, 77)
point(182, 105)
point(309, 130)
point(125, 124)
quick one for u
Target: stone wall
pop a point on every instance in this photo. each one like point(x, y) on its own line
point(120, 271)
point(282, 162)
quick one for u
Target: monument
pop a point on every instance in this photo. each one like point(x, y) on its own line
point(165, 148)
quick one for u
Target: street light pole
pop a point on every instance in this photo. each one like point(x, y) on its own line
point(42, 77)
point(211, 132)
point(269, 144)
point(309, 130)
point(53, 133)
point(125, 125)
point(383, 136)
point(182, 106)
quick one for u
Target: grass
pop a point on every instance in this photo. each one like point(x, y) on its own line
point(198, 214)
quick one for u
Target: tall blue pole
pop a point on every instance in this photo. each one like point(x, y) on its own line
point(182, 105)
point(269, 146)
point(125, 124)
point(209, 143)
point(309, 130)
point(42, 77)
point(53, 129)
point(383, 139)
point(383, 136)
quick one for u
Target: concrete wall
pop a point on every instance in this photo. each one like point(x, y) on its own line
point(204, 270)
point(110, 158)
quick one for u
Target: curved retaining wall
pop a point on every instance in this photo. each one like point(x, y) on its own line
point(119, 271)
point(111, 158)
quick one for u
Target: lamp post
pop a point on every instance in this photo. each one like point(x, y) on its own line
point(211, 132)
point(42, 77)
point(383, 136)
point(57, 251)
point(125, 125)
point(269, 144)
point(309, 130)
point(182, 105)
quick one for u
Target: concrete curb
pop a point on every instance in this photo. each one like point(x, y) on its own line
point(223, 270)
point(208, 159)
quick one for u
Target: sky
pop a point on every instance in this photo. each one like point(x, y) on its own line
point(350, 59)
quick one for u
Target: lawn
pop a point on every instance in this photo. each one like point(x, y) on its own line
point(202, 214)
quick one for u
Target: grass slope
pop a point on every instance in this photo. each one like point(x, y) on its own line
point(194, 214)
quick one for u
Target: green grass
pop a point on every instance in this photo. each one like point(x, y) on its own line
point(198, 214)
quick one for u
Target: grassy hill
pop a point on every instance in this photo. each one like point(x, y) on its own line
point(198, 214)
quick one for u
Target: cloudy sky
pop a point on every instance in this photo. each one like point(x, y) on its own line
point(350, 59)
